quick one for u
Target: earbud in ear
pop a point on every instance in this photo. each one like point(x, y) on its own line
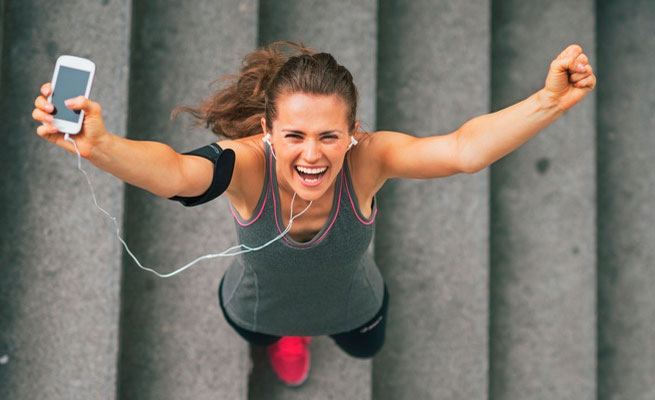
point(353, 142)
point(267, 139)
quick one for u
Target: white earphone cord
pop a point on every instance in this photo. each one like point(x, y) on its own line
point(227, 253)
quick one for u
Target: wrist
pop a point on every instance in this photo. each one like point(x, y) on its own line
point(548, 101)
point(100, 149)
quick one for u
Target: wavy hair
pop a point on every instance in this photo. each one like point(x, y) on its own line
point(235, 110)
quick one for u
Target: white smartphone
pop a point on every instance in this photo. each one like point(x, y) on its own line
point(72, 77)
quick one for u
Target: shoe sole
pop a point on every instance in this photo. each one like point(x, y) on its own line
point(302, 382)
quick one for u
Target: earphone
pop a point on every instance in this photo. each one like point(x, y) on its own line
point(227, 253)
point(267, 139)
point(353, 142)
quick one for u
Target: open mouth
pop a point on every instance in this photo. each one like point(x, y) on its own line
point(311, 175)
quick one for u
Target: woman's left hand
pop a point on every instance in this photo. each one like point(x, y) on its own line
point(570, 77)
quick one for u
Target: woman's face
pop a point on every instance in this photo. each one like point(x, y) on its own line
point(310, 137)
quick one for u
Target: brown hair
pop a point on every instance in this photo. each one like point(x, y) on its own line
point(235, 110)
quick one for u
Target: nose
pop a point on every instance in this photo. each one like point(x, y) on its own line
point(312, 151)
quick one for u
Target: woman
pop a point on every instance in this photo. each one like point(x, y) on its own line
point(294, 144)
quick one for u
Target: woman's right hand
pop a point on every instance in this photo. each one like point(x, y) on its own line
point(93, 129)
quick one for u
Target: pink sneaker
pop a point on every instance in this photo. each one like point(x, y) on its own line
point(289, 358)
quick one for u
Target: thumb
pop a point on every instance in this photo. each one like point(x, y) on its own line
point(565, 61)
point(558, 77)
point(82, 103)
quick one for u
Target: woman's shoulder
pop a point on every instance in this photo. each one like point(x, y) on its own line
point(249, 170)
point(368, 152)
point(375, 152)
point(249, 149)
point(364, 165)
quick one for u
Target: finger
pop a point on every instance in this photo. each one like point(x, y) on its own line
point(560, 66)
point(42, 116)
point(581, 75)
point(42, 104)
point(46, 89)
point(571, 51)
point(588, 82)
point(580, 63)
point(589, 69)
point(566, 59)
point(575, 54)
point(43, 130)
point(82, 103)
point(583, 59)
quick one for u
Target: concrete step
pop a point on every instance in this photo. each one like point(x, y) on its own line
point(492, 276)
point(432, 236)
point(60, 284)
point(175, 341)
point(543, 252)
point(626, 193)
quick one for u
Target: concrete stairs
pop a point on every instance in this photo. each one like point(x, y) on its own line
point(530, 279)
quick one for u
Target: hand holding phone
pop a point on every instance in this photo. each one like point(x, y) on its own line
point(71, 79)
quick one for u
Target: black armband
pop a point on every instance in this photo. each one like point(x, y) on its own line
point(223, 168)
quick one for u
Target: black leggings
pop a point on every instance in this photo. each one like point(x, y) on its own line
point(362, 342)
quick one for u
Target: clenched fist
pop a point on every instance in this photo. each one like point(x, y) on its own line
point(570, 77)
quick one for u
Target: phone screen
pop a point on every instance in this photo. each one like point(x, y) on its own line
point(70, 83)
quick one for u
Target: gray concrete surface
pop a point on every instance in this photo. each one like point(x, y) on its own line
point(543, 258)
point(60, 298)
point(347, 30)
point(175, 341)
point(432, 235)
point(626, 197)
point(59, 257)
point(2, 31)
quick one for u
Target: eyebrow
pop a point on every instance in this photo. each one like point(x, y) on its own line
point(302, 133)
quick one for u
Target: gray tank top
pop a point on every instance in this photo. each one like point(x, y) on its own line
point(325, 286)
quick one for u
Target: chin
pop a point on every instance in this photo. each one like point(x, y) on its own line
point(310, 194)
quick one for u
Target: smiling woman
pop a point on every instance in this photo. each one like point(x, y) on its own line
point(293, 140)
point(310, 135)
point(319, 279)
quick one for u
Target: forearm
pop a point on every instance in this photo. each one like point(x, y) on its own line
point(487, 138)
point(149, 165)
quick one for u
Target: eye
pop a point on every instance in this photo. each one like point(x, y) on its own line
point(292, 136)
point(330, 137)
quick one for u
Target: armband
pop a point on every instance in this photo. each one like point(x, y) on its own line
point(223, 168)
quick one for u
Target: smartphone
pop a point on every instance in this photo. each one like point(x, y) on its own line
point(72, 77)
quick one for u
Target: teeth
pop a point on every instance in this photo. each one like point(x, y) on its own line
point(311, 170)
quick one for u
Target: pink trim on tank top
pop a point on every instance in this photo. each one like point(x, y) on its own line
point(275, 209)
point(261, 210)
point(355, 211)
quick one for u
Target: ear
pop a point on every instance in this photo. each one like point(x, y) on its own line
point(263, 122)
point(356, 129)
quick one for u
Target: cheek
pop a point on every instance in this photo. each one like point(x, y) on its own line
point(337, 158)
point(287, 153)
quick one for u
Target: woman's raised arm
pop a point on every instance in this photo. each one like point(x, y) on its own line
point(485, 139)
point(152, 166)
